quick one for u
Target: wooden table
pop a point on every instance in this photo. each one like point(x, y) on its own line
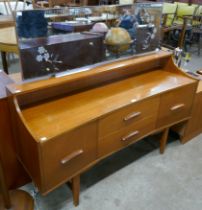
point(6, 21)
point(8, 44)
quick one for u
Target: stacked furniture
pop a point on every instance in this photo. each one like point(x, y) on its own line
point(181, 17)
point(68, 124)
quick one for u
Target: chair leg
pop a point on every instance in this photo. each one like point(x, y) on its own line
point(76, 189)
point(163, 140)
point(4, 62)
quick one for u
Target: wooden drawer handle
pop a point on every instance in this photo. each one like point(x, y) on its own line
point(71, 156)
point(131, 116)
point(130, 136)
point(176, 107)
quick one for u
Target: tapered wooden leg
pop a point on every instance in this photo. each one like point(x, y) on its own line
point(163, 140)
point(4, 62)
point(76, 189)
point(4, 190)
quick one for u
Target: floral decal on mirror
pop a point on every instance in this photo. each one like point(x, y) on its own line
point(49, 59)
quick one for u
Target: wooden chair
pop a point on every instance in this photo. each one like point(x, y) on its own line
point(176, 25)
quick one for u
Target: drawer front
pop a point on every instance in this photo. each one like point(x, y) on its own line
point(126, 136)
point(64, 156)
point(130, 115)
point(176, 105)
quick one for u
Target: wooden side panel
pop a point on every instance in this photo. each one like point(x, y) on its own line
point(14, 172)
point(27, 148)
point(28, 151)
point(194, 126)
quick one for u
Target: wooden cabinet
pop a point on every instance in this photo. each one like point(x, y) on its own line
point(67, 154)
point(67, 124)
point(127, 125)
point(176, 105)
point(128, 116)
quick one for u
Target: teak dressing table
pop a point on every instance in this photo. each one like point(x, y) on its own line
point(67, 124)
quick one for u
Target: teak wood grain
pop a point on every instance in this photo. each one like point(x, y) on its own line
point(14, 173)
point(193, 127)
point(94, 103)
point(68, 124)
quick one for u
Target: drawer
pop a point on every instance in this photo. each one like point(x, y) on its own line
point(126, 136)
point(67, 154)
point(176, 105)
point(128, 115)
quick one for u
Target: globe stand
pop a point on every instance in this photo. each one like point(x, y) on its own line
point(16, 199)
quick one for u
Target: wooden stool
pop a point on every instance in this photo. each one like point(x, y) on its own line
point(16, 199)
point(8, 44)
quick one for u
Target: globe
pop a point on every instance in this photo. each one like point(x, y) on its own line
point(117, 40)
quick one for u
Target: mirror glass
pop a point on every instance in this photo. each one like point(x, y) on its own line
point(61, 41)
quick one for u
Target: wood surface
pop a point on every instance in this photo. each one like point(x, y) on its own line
point(57, 149)
point(8, 44)
point(116, 120)
point(76, 189)
point(163, 140)
point(92, 77)
point(20, 200)
point(4, 189)
point(91, 104)
point(176, 104)
point(194, 125)
point(14, 173)
point(6, 21)
point(70, 123)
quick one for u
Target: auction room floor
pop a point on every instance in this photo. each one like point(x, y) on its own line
point(137, 178)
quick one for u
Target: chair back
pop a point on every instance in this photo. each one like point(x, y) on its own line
point(7, 7)
point(169, 10)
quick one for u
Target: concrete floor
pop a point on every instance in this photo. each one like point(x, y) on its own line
point(137, 178)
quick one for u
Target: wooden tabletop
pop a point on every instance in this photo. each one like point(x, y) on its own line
point(199, 89)
point(8, 41)
point(49, 119)
point(8, 36)
point(6, 21)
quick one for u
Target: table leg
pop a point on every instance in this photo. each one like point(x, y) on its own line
point(76, 189)
point(4, 189)
point(163, 140)
point(4, 61)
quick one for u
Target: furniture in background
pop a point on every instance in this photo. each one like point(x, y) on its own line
point(16, 199)
point(8, 44)
point(177, 29)
point(6, 21)
point(68, 124)
point(12, 174)
point(8, 6)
